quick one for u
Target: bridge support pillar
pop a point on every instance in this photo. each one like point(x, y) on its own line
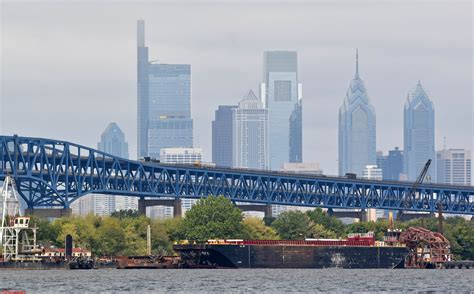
point(49, 212)
point(364, 216)
point(141, 206)
point(268, 211)
point(177, 208)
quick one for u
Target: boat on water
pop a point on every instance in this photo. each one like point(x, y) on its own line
point(356, 251)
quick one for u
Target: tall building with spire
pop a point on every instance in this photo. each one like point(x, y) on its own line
point(357, 128)
point(164, 103)
point(250, 133)
point(281, 95)
point(418, 133)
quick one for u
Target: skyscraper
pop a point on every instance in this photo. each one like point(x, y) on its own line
point(418, 132)
point(164, 103)
point(356, 128)
point(393, 165)
point(250, 133)
point(222, 136)
point(453, 167)
point(112, 141)
point(282, 93)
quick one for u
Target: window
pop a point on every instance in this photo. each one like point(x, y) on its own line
point(282, 90)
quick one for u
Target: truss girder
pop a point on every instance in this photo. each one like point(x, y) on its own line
point(52, 173)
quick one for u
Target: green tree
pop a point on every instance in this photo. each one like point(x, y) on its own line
point(255, 229)
point(111, 237)
point(212, 218)
point(320, 231)
point(318, 216)
point(292, 225)
point(127, 213)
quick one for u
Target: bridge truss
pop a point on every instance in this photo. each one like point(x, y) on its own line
point(52, 173)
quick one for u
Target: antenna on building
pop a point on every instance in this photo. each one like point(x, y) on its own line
point(357, 62)
point(444, 143)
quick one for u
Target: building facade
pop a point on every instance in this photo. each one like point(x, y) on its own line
point(453, 167)
point(418, 133)
point(250, 133)
point(393, 165)
point(187, 156)
point(357, 129)
point(373, 172)
point(222, 147)
point(281, 95)
point(112, 142)
point(164, 103)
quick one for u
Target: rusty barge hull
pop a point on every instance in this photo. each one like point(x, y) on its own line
point(288, 256)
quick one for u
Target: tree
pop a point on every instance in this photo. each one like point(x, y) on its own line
point(255, 229)
point(320, 231)
point(125, 213)
point(318, 216)
point(212, 218)
point(292, 225)
point(111, 237)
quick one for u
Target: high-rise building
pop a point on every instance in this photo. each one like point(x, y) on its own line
point(112, 142)
point(164, 103)
point(418, 133)
point(282, 97)
point(393, 165)
point(181, 155)
point(222, 136)
point(373, 172)
point(187, 156)
point(453, 167)
point(381, 160)
point(356, 128)
point(250, 133)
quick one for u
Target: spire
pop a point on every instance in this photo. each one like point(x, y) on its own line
point(357, 63)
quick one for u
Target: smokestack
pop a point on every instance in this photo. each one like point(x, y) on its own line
point(140, 33)
point(68, 249)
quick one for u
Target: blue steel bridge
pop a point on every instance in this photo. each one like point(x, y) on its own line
point(52, 174)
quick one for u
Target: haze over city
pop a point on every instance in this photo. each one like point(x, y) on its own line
point(68, 70)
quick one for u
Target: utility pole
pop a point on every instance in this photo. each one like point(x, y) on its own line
point(148, 239)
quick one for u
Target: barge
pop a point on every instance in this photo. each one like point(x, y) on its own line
point(356, 251)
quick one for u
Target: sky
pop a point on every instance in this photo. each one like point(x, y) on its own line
point(69, 69)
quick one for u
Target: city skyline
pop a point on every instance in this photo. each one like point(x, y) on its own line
point(449, 87)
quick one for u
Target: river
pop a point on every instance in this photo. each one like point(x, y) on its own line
point(237, 280)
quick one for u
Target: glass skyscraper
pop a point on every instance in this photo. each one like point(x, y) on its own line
point(222, 136)
point(164, 103)
point(418, 133)
point(112, 141)
point(357, 128)
point(250, 133)
point(282, 93)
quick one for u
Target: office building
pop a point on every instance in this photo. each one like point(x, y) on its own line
point(453, 167)
point(112, 142)
point(418, 133)
point(281, 95)
point(188, 156)
point(357, 128)
point(393, 165)
point(250, 133)
point(164, 103)
point(373, 172)
point(222, 136)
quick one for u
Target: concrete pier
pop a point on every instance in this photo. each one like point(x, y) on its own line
point(265, 208)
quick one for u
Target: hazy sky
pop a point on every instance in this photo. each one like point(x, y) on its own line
point(68, 70)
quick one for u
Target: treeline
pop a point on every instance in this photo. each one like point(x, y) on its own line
point(124, 232)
